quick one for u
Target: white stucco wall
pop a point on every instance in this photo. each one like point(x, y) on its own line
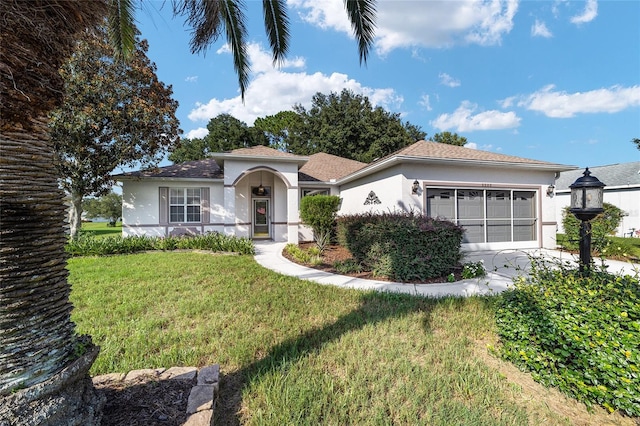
point(141, 206)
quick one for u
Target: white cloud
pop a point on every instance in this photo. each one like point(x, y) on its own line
point(447, 80)
point(539, 29)
point(191, 79)
point(273, 90)
point(560, 104)
point(425, 102)
point(464, 119)
point(200, 132)
point(410, 24)
point(589, 14)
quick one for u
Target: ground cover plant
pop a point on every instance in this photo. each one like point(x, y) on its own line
point(616, 248)
point(294, 352)
point(90, 245)
point(579, 333)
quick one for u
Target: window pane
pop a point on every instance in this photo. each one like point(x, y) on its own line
point(498, 204)
point(176, 196)
point(524, 204)
point(470, 204)
point(193, 213)
point(524, 230)
point(193, 196)
point(473, 231)
point(498, 231)
point(441, 203)
point(176, 214)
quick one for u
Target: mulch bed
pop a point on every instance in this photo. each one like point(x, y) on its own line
point(145, 402)
point(334, 253)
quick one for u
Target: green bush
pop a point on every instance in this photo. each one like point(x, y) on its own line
point(88, 245)
point(579, 334)
point(402, 246)
point(319, 212)
point(602, 226)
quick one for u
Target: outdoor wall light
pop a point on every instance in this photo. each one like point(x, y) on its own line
point(415, 187)
point(587, 194)
point(550, 190)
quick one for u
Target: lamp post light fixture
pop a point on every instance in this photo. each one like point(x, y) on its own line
point(415, 187)
point(586, 203)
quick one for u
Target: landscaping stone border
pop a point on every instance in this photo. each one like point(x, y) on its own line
point(203, 395)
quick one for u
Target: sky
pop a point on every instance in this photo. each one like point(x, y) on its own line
point(556, 80)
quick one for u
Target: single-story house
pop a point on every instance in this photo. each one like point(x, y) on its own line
point(502, 201)
point(622, 190)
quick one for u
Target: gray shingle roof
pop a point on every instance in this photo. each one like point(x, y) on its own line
point(207, 169)
point(613, 175)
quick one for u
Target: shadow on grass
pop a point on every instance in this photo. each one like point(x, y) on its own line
point(375, 308)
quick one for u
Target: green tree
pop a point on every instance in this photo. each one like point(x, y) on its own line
point(225, 133)
point(449, 138)
point(108, 206)
point(131, 119)
point(602, 226)
point(38, 339)
point(277, 128)
point(347, 125)
point(636, 141)
point(320, 212)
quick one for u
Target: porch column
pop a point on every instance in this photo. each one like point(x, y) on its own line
point(230, 210)
point(293, 215)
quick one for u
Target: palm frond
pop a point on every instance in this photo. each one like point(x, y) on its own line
point(121, 27)
point(234, 22)
point(362, 14)
point(276, 24)
point(203, 16)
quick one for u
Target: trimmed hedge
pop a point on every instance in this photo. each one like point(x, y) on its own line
point(87, 245)
point(579, 334)
point(402, 246)
point(602, 226)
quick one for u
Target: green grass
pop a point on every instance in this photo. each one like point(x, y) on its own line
point(293, 352)
point(100, 229)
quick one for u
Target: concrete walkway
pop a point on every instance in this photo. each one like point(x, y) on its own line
point(502, 266)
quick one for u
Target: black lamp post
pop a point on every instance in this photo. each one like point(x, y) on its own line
point(586, 203)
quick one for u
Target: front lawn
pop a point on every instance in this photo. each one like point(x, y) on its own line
point(294, 352)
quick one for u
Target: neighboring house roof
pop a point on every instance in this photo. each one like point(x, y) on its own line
point(614, 176)
point(207, 169)
point(326, 167)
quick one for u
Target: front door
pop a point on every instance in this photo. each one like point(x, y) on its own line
point(261, 218)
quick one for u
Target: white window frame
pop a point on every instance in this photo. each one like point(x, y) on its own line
point(187, 193)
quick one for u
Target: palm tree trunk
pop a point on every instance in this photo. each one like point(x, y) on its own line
point(37, 335)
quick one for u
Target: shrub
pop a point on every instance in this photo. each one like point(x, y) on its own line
point(88, 245)
point(402, 246)
point(602, 226)
point(579, 334)
point(319, 212)
point(473, 270)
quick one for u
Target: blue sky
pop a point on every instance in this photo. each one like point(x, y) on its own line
point(552, 80)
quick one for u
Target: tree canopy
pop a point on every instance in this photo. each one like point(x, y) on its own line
point(449, 138)
point(347, 125)
point(225, 133)
point(108, 206)
point(113, 114)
